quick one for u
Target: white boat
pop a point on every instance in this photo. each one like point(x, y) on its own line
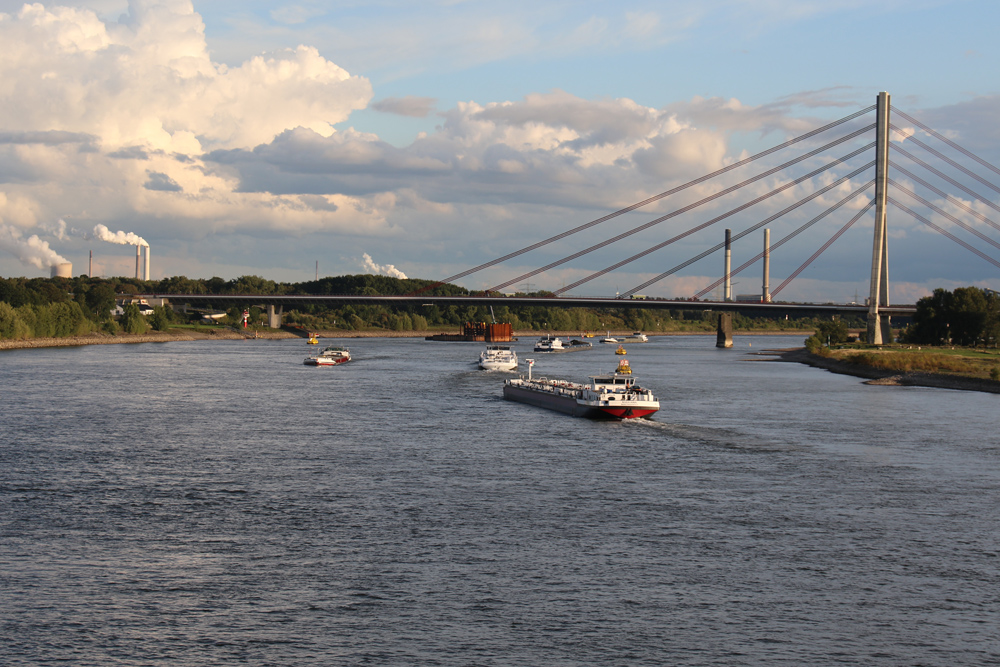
point(549, 343)
point(636, 337)
point(611, 396)
point(498, 358)
point(610, 340)
point(330, 356)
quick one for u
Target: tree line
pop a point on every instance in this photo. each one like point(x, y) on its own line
point(36, 307)
point(968, 316)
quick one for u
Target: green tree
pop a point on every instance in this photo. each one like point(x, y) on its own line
point(11, 324)
point(132, 320)
point(161, 318)
point(100, 301)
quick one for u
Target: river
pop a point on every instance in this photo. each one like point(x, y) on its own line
point(218, 502)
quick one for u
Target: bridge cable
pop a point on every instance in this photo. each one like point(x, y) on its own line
point(944, 232)
point(941, 156)
point(952, 200)
point(945, 177)
point(654, 198)
point(768, 220)
point(822, 249)
point(942, 213)
point(780, 243)
point(681, 210)
point(948, 141)
point(717, 219)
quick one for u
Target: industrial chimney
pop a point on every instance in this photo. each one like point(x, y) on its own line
point(146, 272)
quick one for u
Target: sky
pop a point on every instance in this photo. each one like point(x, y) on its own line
point(423, 139)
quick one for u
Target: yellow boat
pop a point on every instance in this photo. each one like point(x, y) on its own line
point(620, 350)
point(313, 340)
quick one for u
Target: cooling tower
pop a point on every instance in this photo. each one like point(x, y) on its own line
point(63, 270)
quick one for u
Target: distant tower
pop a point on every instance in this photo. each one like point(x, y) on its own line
point(728, 293)
point(146, 272)
point(765, 296)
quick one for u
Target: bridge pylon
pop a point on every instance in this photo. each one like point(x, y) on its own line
point(879, 327)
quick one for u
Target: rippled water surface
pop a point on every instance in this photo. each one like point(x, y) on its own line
point(212, 503)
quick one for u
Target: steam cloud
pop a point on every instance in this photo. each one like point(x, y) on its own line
point(388, 269)
point(31, 250)
point(119, 237)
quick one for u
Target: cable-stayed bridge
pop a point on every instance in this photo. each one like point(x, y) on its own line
point(824, 181)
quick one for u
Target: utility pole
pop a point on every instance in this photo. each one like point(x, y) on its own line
point(879, 327)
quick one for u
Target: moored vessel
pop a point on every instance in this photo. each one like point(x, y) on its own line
point(498, 358)
point(330, 356)
point(636, 337)
point(550, 343)
point(611, 396)
point(611, 340)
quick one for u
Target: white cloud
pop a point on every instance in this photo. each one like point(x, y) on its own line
point(149, 81)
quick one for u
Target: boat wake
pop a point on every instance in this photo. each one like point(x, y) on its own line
point(710, 436)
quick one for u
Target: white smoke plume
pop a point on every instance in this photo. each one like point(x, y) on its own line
point(31, 250)
point(388, 269)
point(119, 237)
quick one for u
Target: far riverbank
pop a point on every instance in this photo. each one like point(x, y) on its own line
point(221, 333)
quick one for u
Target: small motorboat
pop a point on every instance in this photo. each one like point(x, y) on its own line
point(620, 350)
point(313, 340)
point(330, 356)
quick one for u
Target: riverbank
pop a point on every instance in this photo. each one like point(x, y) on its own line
point(222, 333)
point(173, 335)
point(877, 376)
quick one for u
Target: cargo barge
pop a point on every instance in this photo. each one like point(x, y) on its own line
point(611, 396)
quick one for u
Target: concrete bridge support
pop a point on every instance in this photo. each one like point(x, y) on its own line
point(879, 327)
point(274, 316)
point(724, 331)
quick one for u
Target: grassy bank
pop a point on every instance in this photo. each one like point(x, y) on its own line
point(962, 362)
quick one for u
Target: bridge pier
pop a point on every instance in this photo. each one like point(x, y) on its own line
point(274, 316)
point(879, 328)
point(724, 331)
